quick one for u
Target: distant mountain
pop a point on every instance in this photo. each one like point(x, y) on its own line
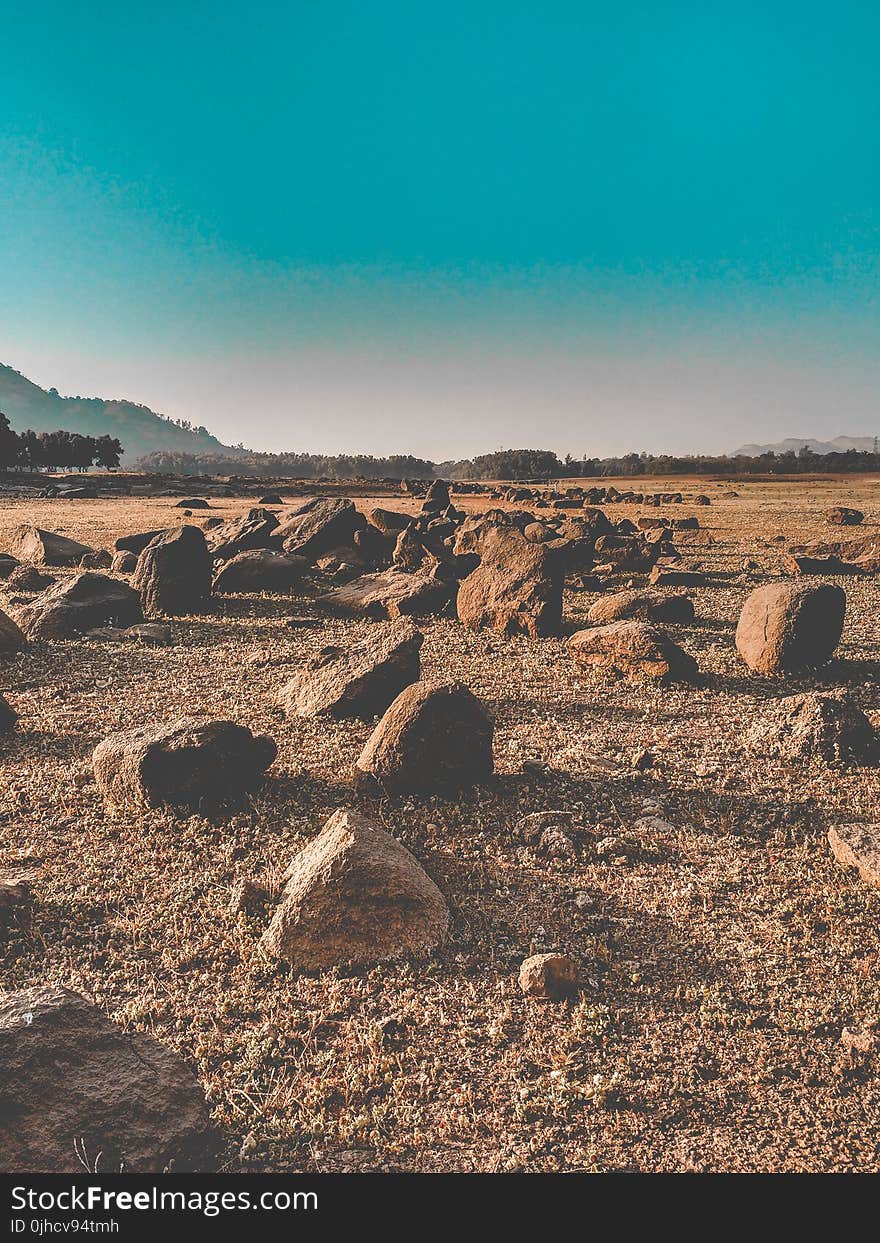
point(139, 429)
point(840, 444)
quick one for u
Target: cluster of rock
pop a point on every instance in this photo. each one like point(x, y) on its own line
point(355, 895)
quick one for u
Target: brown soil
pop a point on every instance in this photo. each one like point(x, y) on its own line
point(722, 948)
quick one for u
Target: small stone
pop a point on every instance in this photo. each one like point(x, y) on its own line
point(857, 846)
point(548, 976)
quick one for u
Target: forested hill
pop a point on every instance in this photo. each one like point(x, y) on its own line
point(138, 428)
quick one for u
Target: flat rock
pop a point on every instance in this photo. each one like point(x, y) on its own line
point(77, 604)
point(30, 543)
point(857, 846)
point(654, 606)
point(844, 516)
point(389, 594)
point(260, 569)
point(634, 649)
point(662, 577)
point(825, 725)
point(183, 763)
point(360, 680)
point(355, 895)
point(436, 737)
point(74, 1080)
point(28, 578)
point(156, 633)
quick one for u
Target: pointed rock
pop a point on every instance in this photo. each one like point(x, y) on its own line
point(173, 573)
point(30, 543)
point(355, 895)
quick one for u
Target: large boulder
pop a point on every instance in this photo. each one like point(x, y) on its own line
point(173, 574)
point(260, 569)
point(825, 725)
point(253, 531)
point(329, 523)
point(389, 594)
point(516, 588)
point(30, 543)
point(183, 763)
point(436, 737)
point(476, 527)
point(357, 681)
point(355, 895)
point(654, 606)
point(11, 635)
point(633, 649)
point(77, 1090)
point(78, 604)
point(786, 627)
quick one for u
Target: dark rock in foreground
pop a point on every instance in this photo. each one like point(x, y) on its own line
point(74, 1083)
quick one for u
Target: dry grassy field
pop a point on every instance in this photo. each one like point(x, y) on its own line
point(723, 950)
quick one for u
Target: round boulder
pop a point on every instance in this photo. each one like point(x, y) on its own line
point(786, 627)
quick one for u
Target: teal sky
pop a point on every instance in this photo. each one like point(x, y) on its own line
point(443, 229)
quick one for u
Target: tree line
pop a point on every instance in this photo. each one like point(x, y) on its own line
point(61, 450)
point(289, 465)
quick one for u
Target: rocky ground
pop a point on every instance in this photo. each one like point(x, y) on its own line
point(723, 952)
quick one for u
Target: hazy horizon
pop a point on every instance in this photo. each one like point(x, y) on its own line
point(383, 230)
